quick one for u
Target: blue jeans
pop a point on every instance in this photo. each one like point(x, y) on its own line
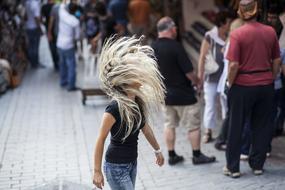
point(34, 36)
point(121, 176)
point(67, 68)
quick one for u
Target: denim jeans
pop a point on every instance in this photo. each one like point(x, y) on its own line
point(34, 36)
point(67, 67)
point(121, 176)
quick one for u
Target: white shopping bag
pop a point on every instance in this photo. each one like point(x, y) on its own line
point(44, 53)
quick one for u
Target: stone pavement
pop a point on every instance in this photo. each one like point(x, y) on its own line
point(47, 139)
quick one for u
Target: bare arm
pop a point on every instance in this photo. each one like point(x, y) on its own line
point(50, 26)
point(276, 67)
point(107, 123)
point(193, 77)
point(232, 72)
point(283, 69)
point(148, 133)
point(203, 52)
point(195, 80)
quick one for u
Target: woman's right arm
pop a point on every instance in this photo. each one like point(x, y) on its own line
point(201, 65)
point(107, 123)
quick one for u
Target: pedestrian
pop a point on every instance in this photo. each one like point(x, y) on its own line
point(278, 108)
point(213, 43)
point(118, 9)
point(48, 14)
point(91, 20)
point(45, 12)
point(221, 140)
point(129, 75)
point(182, 107)
point(33, 30)
point(254, 60)
point(69, 32)
point(139, 12)
point(107, 26)
point(52, 34)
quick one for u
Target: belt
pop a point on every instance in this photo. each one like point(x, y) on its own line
point(254, 71)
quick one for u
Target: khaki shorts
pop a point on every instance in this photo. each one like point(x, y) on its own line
point(188, 116)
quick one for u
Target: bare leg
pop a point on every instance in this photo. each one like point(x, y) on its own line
point(169, 136)
point(194, 138)
point(198, 157)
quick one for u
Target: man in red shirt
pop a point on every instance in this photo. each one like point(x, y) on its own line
point(139, 14)
point(254, 57)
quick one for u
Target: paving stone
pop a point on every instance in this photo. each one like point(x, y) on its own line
point(46, 135)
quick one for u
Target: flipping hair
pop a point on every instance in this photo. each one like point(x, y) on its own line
point(123, 62)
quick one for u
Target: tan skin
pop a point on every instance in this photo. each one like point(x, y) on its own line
point(283, 69)
point(222, 32)
point(107, 122)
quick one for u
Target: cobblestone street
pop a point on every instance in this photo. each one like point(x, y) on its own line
point(47, 137)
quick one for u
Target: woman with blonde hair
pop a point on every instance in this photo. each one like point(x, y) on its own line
point(129, 75)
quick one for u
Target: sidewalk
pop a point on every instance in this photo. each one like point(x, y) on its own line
point(47, 140)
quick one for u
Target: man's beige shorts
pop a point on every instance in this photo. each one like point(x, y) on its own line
point(188, 116)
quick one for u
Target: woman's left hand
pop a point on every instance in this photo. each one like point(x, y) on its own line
point(159, 159)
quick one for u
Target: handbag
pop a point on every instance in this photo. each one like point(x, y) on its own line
point(211, 66)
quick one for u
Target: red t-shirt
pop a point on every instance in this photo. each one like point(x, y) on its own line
point(253, 46)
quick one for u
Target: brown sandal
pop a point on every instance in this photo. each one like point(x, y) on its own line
point(207, 137)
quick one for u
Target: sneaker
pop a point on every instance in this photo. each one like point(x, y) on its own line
point(203, 159)
point(257, 172)
point(268, 154)
point(243, 157)
point(227, 172)
point(175, 160)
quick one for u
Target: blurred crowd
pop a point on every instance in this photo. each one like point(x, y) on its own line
point(66, 23)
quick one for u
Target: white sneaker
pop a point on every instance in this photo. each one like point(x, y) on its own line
point(243, 157)
point(257, 172)
point(227, 172)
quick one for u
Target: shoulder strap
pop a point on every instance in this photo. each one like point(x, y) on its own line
point(213, 47)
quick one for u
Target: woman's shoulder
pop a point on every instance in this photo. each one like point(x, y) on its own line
point(113, 108)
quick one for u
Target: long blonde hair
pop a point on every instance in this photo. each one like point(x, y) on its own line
point(123, 62)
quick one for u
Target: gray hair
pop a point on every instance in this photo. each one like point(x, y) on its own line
point(165, 24)
point(126, 61)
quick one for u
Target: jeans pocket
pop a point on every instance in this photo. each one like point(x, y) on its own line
point(116, 172)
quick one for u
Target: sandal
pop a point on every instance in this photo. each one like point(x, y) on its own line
point(207, 137)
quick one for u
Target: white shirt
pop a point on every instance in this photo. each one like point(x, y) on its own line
point(33, 10)
point(224, 76)
point(68, 29)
